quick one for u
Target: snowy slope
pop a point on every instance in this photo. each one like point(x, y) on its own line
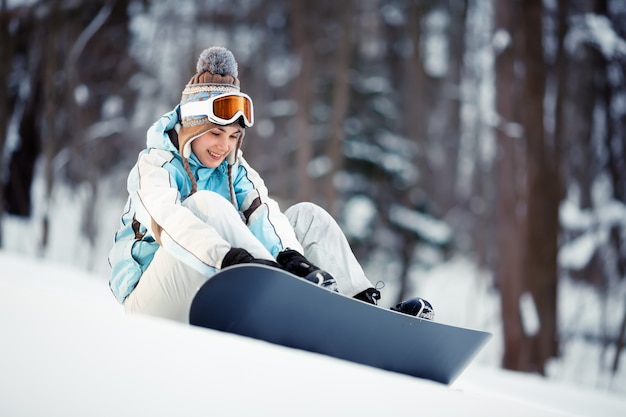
point(68, 350)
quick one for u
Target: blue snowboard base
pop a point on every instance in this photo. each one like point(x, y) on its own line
point(272, 305)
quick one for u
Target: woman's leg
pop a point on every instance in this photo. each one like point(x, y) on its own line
point(215, 210)
point(327, 247)
point(167, 287)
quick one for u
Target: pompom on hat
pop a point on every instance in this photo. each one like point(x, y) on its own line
point(216, 74)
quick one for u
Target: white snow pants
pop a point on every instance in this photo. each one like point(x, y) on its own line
point(167, 287)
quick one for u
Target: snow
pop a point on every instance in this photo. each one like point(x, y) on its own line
point(596, 30)
point(530, 317)
point(425, 226)
point(362, 211)
point(68, 349)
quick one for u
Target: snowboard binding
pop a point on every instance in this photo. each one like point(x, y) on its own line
point(417, 307)
point(370, 295)
point(323, 279)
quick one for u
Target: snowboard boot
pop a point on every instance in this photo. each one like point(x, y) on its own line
point(323, 279)
point(295, 263)
point(370, 295)
point(417, 307)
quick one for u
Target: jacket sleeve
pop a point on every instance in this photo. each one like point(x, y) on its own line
point(174, 226)
point(261, 213)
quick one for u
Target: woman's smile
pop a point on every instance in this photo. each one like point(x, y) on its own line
point(215, 155)
point(213, 146)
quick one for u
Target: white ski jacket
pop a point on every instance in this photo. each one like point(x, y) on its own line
point(154, 217)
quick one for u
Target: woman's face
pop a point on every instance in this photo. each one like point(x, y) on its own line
point(213, 146)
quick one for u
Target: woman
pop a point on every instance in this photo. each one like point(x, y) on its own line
point(195, 206)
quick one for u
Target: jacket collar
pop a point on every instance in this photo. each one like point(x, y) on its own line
point(203, 173)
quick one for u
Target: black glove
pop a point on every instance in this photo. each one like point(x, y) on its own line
point(241, 256)
point(294, 262)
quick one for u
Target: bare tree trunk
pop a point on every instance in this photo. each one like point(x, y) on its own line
point(450, 129)
point(416, 100)
point(50, 106)
point(475, 179)
point(341, 96)
point(5, 69)
point(303, 93)
point(509, 217)
point(611, 90)
point(413, 92)
point(543, 191)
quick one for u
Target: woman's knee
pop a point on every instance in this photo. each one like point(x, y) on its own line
point(209, 203)
point(306, 211)
point(306, 216)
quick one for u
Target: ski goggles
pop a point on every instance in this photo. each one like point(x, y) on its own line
point(222, 110)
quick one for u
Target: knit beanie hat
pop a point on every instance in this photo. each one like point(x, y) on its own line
point(216, 74)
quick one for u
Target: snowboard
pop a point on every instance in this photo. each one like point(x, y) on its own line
point(269, 304)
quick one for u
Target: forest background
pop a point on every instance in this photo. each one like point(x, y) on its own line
point(492, 130)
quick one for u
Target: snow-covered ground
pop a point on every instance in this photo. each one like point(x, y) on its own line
point(69, 350)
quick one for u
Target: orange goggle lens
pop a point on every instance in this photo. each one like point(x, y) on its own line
point(227, 107)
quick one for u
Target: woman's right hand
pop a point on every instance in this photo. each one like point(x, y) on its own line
point(241, 256)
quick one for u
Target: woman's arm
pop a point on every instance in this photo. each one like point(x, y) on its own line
point(174, 226)
point(261, 213)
